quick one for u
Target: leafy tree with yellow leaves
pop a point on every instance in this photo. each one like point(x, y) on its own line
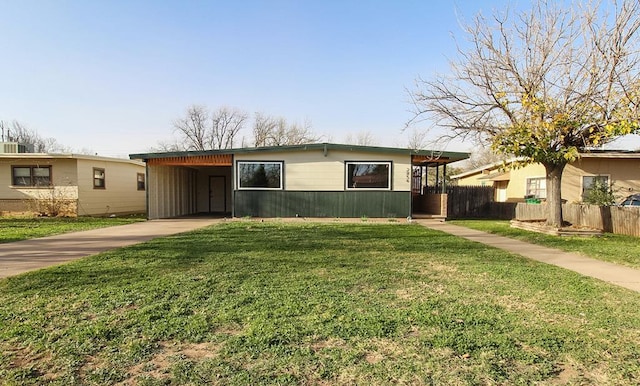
point(544, 84)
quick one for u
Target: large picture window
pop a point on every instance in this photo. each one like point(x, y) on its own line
point(259, 175)
point(31, 175)
point(537, 187)
point(368, 175)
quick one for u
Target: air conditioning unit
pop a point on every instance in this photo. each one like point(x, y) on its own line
point(15, 147)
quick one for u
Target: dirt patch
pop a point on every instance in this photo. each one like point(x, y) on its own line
point(327, 344)
point(566, 375)
point(230, 330)
point(373, 358)
point(23, 357)
point(157, 367)
point(568, 230)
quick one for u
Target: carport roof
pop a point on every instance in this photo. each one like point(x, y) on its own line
point(418, 156)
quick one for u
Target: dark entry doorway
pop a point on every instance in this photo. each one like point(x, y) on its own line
point(217, 194)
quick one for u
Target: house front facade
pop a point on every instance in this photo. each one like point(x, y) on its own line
point(71, 184)
point(620, 169)
point(314, 180)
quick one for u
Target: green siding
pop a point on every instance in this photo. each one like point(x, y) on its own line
point(283, 203)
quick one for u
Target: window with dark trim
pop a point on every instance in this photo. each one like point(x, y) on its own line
point(260, 174)
point(141, 181)
point(99, 180)
point(31, 175)
point(368, 175)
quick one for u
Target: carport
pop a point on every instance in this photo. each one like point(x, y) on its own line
point(186, 185)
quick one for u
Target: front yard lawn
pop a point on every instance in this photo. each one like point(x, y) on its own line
point(275, 303)
point(619, 249)
point(23, 228)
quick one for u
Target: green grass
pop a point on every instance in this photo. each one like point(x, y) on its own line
point(613, 248)
point(23, 228)
point(274, 303)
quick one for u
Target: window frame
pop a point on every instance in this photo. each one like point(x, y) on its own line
point(144, 182)
point(103, 179)
point(239, 175)
point(389, 186)
point(527, 185)
point(595, 178)
point(32, 176)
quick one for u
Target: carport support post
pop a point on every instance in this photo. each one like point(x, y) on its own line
point(146, 186)
point(444, 178)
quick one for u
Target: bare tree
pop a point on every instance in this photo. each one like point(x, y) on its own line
point(276, 131)
point(263, 126)
point(226, 123)
point(417, 139)
point(192, 129)
point(168, 146)
point(201, 130)
point(481, 156)
point(544, 84)
point(362, 138)
point(18, 132)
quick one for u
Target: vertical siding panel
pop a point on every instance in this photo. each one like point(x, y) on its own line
point(322, 204)
point(160, 188)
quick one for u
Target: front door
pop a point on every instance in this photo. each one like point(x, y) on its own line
point(217, 194)
point(501, 191)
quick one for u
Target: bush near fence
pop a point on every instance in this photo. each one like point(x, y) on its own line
point(612, 219)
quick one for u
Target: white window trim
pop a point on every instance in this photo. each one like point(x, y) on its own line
point(591, 175)
point(239, 187)
point(526, 184)
point(346, 174)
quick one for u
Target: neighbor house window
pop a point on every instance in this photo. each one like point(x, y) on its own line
point(589, 182)
point(141, 179)
point(98, 178)
point(31, 175)
point(368, 175)
point(260, 175)
point(537, 187)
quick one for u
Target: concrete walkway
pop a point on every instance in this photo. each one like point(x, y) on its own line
point(28, 255)
point(612, 273)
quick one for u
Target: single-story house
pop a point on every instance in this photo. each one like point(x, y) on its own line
point(312, 180)
point(512, 184)
point(71, 184)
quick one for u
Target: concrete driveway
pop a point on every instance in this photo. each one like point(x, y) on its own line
point(28, 255)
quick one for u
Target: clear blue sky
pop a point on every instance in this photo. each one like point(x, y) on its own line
point(111, 76)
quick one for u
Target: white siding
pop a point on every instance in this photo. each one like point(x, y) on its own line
point(311, 170)
point(120, 195)
point(172, 191)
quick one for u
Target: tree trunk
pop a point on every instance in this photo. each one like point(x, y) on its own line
point(554, 193)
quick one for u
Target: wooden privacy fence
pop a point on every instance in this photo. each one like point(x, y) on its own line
point(473, 202)
point(612, 219)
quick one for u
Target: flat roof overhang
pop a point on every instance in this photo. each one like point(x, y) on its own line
point(432, 160)
point(224, 157)
point(198, 160)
